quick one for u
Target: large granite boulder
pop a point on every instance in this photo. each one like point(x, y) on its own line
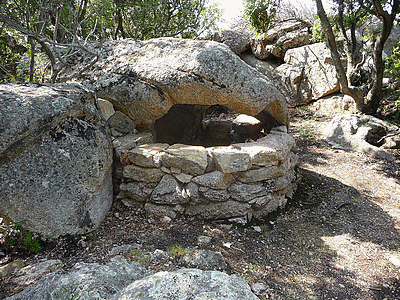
point(187, 284)
point(308, 74)
point(120, 279)
point(238, 42)
point(335, 104)
point(85, 281)
point(286, 35)
point(265, 66)
point(55, 158)
point(143, 79)
point(363, 133)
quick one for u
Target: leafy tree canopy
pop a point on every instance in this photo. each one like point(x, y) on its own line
point(70, 24)
point(260, 14)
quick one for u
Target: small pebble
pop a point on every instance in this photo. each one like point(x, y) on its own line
point(394, 260)
point(227, 245)
point(166, 219)
point(203, 240)
point(226, 226)
point(257, 228)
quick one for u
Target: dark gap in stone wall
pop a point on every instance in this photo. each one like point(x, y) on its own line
point(209, 126)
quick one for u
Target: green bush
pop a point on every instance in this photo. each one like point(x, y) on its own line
point(260, 14)
point(393, 62)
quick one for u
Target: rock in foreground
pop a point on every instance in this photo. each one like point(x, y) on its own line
point(55, 159)
point(188, 284)
point(122, 280)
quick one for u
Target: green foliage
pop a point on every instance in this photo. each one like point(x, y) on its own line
point(145, 19)
point(260, 14)
point(10, 56)
point(139, 256)
point(15, 236)
point(306, 133)
point(31, 244)
point(72, 23)
point(393, 62)
point(318, 32)
point(176, 250)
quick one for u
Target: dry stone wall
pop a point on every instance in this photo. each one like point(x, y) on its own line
point(237, 182)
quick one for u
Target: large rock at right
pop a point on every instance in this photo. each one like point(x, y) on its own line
point(363, 133)
point(308, 74)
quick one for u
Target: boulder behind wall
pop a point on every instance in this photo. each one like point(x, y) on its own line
point(55, 158)
point(238, 42)
point(308, 74)
point(143, 79)
point(284, 36)
point(266, 67)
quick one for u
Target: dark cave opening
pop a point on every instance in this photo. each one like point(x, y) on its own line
point(208, 126)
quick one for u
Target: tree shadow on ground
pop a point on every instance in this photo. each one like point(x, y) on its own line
point(390, 169)
point(303, 254)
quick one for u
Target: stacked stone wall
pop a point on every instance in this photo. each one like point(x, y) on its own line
point(237, 182)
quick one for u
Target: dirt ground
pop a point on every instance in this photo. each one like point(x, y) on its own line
point(337, 239)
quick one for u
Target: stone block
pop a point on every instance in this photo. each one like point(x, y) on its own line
point(219, 210)
point(142, 174)
point(247, 192)
point(215, 180)
point(125, 143)
point(269, 150)
point(106, 108)
point(168, 192)
point(132, 190)
point(190, 159)
point(184, 178)
point(216, 195)
point(143, 155)
point(230, 159)
point(160, 210)
point(266, 173)
point(121, 123)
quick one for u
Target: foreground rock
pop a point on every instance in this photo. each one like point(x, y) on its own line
point(145, 78)
point(120, 279)
point(187, 284)
point(85, 281)
point(308, 74)
point(55, 159)
point(363, 133)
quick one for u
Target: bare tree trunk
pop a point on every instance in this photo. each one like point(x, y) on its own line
point(32, 63)
point(376, 93)
point(32, 44)
point(351, 91)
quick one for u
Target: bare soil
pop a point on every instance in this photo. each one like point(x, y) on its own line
point(338, 238)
